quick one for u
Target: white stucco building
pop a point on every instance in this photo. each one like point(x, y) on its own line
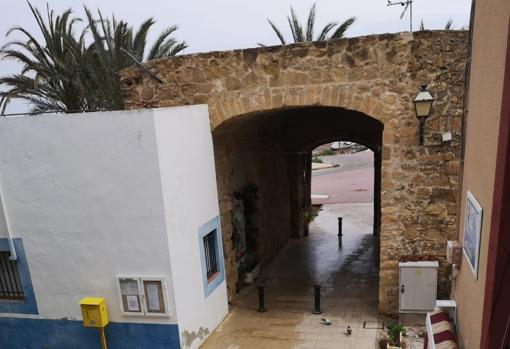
point(94, 200)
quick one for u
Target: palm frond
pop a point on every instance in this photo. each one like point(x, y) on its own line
point(449, 25)
point(325, 31)
point(278, 32)
point(342, 28)
point(165, 45)
point(310, 23)
point(140, 38)
point(295, 26)
point(177, 48)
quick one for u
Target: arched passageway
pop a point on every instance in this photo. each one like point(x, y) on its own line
point(265, 159)
point(268, 160)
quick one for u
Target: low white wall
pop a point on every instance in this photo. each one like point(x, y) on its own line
point(84, 193)
point(188, 177)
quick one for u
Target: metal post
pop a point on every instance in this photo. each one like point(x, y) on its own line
point(103, 338)
point(262, 307)
point(317, 298)
point(422, 129)
point(411, 16)
point(340, 226)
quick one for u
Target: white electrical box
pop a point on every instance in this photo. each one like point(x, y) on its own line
point(418, 286)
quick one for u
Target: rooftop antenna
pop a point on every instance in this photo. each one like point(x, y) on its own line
point(408, 4)
point(141, 65)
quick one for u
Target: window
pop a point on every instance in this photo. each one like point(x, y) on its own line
point(10, 283)
point(211, 255)
point(16, 290)
point(211, 258)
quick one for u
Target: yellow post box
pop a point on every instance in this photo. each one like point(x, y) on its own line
point(93, 310)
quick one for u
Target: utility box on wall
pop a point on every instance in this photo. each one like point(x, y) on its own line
point(94, 312)
point(418, 286)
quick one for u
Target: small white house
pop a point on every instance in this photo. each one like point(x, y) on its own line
point(120, 205)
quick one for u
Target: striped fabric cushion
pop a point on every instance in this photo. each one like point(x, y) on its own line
point(442, 330)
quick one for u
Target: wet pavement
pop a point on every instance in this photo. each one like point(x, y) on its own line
point(348, 277)
point(352, 181)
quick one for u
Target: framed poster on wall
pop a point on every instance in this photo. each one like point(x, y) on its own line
point(130, 295)
point(472, 232)
point(155, 296)
point(143, 295)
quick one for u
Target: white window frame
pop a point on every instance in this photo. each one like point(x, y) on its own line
point(119, 295)
point(164, 291)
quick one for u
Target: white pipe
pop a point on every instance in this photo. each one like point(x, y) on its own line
point(12, 248)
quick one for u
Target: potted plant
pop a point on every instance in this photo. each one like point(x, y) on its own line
point(394, 336)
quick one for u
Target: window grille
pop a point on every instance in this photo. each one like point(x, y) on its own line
point(10, 284)
point(211, 257)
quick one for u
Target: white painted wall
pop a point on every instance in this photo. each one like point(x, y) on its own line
point(84, 193)
point(188, 179)
point(121, 193)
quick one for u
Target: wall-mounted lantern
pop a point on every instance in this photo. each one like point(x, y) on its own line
point(423, 107)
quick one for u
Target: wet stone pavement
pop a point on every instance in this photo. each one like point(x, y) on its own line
point(348, 277)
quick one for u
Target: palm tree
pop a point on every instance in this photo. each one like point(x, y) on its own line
point(300, 35)
point(111, 38)
point(50, 76)
point(63, 73)
point(448, 25)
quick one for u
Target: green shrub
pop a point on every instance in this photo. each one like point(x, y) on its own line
point(394, 333)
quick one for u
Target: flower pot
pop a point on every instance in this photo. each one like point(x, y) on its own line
point(388, 346)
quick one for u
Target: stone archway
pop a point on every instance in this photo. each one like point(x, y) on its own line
point(375, 75)
point(272, 151)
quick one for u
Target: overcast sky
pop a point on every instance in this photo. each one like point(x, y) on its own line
point(208, 25)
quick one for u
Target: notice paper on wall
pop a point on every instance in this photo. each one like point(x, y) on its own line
point(130, 295)
point(129, 288)
point(132, 303)
point(152, 294)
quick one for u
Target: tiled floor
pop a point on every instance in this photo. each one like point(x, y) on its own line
point(349, 280)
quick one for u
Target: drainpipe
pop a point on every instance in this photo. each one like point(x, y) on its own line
point(10, 240)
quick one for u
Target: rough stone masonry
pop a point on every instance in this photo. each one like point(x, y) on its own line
point(376, 75)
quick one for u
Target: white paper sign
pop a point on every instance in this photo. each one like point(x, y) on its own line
point(129, 287)
point(132, 303)
point(152, 291)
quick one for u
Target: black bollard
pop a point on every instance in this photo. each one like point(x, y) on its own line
point(262, 307)
point(340, 226)
point(317, 298)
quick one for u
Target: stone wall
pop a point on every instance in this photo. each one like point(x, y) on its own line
point(375, 75)
point(239, 162)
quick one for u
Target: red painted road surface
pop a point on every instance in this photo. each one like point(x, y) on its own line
point(344, 186)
